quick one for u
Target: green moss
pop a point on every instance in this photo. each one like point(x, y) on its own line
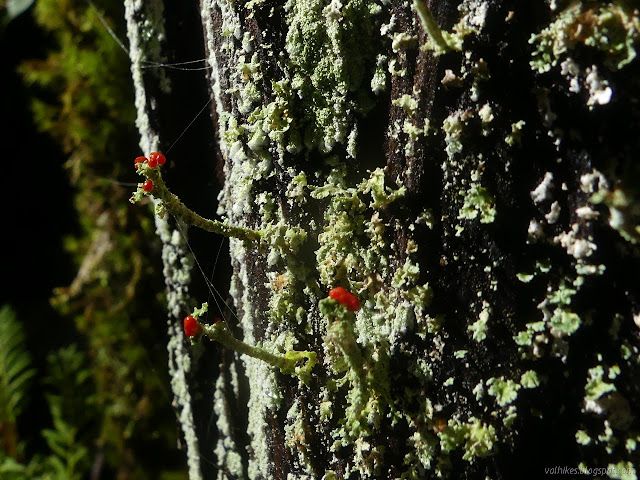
point(85, 101)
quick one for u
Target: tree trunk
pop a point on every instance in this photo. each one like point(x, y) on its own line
point(467, 170)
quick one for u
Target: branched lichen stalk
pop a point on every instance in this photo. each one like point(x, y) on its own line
point(288, 363)
point(220, 333)
point(172, 204)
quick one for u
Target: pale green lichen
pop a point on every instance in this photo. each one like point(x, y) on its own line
point(505, 391)
point(295, 432)
point(622, 470)
point(559, 320)
point(529, 379)
point(320, 37)
point(611, 28)
point(453, 127)
point(226, 450)
point(525, 277)
point(515, 137)
point(596, 387)
point(407, 103)
point(624, 211)
point(478, 201)
point(381, 194)
point(583, 437)
point(402, 40)
point(631, 443)
point(367, 388)
point(479, 327)
point(477, 438)
point(379, 79)
point(486, 113)
point(177, 272)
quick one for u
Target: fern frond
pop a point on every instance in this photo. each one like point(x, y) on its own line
point(15, 366)
point(69, 458)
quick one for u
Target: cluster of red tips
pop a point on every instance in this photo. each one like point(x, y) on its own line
point(155, 159)
point(346, 298)
point(191, 326)
point(147, 186)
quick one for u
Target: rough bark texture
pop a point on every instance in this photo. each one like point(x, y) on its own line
point(480, 196)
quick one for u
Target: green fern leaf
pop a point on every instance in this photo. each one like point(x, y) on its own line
point(15, 366)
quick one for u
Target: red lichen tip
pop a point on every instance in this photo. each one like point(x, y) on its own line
point(191, 326)
point(153, 163)
point(439, 424)
point(147, 186)
point(346, 298)
point(157, 157)
point(139, 160)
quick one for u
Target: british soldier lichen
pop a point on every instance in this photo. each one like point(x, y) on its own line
point(311, 113)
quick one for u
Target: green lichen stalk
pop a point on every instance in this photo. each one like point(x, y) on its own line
point(298, 363)
point(288, 363)
point(172, 204)
point(430, 25)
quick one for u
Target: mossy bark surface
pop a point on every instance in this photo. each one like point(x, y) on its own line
point(475, 187)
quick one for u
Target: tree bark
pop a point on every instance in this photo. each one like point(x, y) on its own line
point(467, 170)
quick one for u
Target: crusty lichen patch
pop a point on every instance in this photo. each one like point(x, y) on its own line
point(608, 27)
